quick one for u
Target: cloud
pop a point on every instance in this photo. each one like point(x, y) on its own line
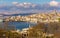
point(25, 4)
point(27, 8)
point(14, 3)
point(53, 3)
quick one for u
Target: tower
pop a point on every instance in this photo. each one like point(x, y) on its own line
point(29, 26)
point(55, 12)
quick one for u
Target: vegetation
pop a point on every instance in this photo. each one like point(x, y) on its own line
point(9, 34)
point(41, 30)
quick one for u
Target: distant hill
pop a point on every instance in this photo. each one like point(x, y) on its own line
point(25, 14)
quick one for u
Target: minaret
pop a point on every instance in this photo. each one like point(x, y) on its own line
point(55, 12)
point(29, 26)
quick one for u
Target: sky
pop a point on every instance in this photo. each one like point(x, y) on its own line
point(29, 5)
point(30, 1)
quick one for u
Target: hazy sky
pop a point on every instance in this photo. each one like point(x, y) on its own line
point(6, 9)
point(30, 1)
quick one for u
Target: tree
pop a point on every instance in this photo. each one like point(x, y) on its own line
point(37, 31)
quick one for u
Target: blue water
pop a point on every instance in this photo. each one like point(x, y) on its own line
point(21, 25)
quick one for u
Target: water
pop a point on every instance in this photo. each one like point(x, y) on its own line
point(21, 25)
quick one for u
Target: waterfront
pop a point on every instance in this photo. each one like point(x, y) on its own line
point(20, 25)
